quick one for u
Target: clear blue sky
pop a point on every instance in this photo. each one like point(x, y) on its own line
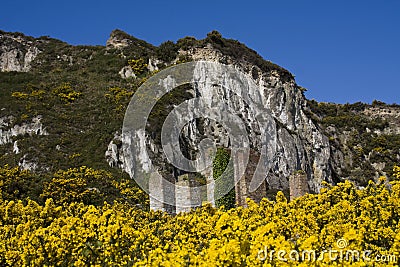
point(341, 51)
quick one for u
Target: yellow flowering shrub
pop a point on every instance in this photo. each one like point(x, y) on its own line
point(82, 184)
point(71, 185)
point(20, 95)
point(66, 93)
point(34, 93)
point(91, 186)
point(341, 218)
point(138, 65)
point(396, 171)
point(119, 96)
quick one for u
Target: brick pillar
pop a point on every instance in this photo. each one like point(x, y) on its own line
point(156, 191)
point(210, 190)
point(182, 194)
point(240, 181)
point(197, 194)
point(189, 193)
point(261, 192)
point(162, 191)
point(242, 187)
point(298, 185)
point(208, 194)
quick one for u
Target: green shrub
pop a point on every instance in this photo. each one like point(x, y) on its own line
point(16, 183)
point(186, 43)
point(220, 164)
point(167, 51)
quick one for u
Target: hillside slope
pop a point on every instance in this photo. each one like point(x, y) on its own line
point(63, 107)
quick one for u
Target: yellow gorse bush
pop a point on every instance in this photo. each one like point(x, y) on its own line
point(83, 184)
point(122, 235)
point(396, 172)
point(66, 93)
point(138, 65)
point(120, 96)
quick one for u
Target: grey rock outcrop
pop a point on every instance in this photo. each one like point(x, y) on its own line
point(26, 164)
point(8, 130)
point(114, 155)
point(127, 72)
point(116, 42)
point(120, 40)
point(17, 52)
point(152, 65)
point(390, 114)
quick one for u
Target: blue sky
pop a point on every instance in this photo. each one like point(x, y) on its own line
point(341, 51)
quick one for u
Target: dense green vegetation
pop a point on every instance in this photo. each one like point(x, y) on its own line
point(167, 51)
point(220, 165)
point(360, 136)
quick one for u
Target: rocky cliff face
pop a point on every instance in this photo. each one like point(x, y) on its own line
point(304, 143)
point(301, 144)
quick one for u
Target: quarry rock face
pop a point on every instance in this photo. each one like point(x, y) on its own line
point(300, 144)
